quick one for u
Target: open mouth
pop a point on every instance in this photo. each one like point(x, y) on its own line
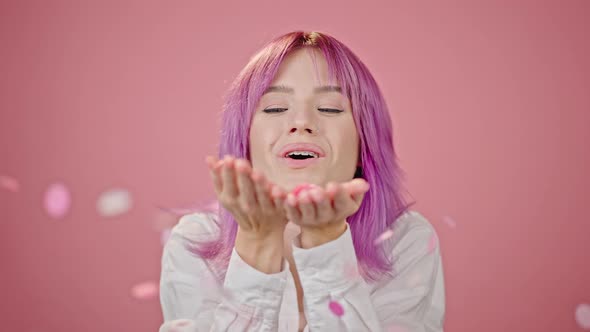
point(300, 159)
point(301, 155)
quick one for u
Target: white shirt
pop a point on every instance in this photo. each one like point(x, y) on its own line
point(250, 300)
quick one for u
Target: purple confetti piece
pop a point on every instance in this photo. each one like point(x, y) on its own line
point(57, 200)
point(336, 308)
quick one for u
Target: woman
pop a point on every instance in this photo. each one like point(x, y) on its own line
point(313, 233)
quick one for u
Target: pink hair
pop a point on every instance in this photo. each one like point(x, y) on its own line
point(382, 204)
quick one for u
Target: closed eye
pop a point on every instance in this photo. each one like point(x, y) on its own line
point(325, 110)
point(330, 110)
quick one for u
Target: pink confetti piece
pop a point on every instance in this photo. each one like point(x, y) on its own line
point(145, 290)
point(165, 235)
point(336, 308)
point(449, 221)
point(432, 243)
point(583, 316)
point(113, 202)
point(9, 183)
point(57, 200)
point(350, 271)
point(384, 236)
point(301, 187)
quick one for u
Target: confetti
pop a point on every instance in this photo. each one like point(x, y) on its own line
point(163, 221)
point(432, 243)
point(583, 316)
point(386, 235)
point(113, 202)
point(57, 200)
point(336, 308)
point(301, 187)
point(9, 183)
point(350, 271)
point(145, 290)
point(449, 221)
point(164, 236)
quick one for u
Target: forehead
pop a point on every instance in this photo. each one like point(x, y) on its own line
point(303, 65)
point(304, 71)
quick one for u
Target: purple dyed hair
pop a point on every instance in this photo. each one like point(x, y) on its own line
point(382, 204)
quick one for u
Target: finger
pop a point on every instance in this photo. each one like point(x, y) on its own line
point(247, 193)
point(261, 186)
point(356, 186)
point(228, 176)
point(291, 210)
point(278, 196)
point(358, 198)
point(342, 201)
point(323, 206)
point(214, 167)
point(307, 208)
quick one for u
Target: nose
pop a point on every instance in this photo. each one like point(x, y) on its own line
point(303, 121)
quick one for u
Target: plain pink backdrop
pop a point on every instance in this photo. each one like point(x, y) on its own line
point(491, 109)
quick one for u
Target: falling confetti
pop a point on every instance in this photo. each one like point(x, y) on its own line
point(165, 236)
point(145, 290)
point(163, 220)
point(583, 316)
point(57, 200)
point(179, 325)
point(449, 221)
point(386, 235)
point(336, 308)
point(9, 183)
point(113, 202)
point(350, 271)
point(432, 243)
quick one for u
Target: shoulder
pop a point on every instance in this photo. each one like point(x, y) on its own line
point(413, 237)
point(196, 227)
point(178, 256)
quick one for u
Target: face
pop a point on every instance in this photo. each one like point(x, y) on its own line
point(302, 130)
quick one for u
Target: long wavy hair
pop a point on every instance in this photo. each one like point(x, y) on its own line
point(382, 204)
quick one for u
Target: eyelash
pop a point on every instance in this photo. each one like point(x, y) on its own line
point(280, 110)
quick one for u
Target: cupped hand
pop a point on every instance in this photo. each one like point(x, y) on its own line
point(255, 203)
point(316, 207)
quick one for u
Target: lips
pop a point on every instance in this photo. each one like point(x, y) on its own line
point(301, 147)
point(300, 163)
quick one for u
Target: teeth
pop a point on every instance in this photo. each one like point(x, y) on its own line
point(302, 153)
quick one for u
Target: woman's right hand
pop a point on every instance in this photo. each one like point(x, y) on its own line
point(255, 203)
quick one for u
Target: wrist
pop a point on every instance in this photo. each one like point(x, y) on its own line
point(315, 236)
point(262, 252)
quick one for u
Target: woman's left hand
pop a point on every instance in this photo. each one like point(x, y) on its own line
point(320, 210)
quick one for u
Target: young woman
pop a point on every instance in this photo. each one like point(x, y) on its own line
point(312, 233)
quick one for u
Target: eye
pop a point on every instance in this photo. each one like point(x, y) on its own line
point(274, 110)
point(330, 110)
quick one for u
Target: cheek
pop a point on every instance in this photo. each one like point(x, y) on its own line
point(262, 138)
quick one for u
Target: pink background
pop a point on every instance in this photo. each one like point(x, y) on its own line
point(491, 109)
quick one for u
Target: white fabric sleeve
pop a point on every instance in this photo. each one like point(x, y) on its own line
point(193, 300)
point(329, 273)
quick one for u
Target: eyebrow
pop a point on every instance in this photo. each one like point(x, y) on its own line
point(319, 89)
